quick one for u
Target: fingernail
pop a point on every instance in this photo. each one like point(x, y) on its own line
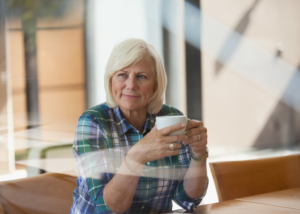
point(183, 125)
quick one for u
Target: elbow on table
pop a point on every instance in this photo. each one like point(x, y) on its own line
point(115, 205)
point(118, 207)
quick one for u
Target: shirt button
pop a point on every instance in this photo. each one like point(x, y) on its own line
point(148, 163)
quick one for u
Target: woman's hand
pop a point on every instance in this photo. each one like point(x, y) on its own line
point(155, 145)
point(194, 128)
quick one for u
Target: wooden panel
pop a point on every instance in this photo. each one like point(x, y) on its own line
point(60, 57)
point(236, 179)
point(61, 109)
point(61, 76)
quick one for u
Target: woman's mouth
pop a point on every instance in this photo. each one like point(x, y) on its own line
point(129, 96)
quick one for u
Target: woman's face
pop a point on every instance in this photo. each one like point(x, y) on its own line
point(133, 86)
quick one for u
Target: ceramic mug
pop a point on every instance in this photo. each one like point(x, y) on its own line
point(165, 121)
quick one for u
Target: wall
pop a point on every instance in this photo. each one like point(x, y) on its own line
point(251, 81)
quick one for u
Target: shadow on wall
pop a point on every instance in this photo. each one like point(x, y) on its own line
point(282, 129)
point(233, 40)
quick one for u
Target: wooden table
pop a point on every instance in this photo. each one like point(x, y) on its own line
point(287, 202)
point(289, 198)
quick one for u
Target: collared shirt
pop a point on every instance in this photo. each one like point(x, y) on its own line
point(103, 138)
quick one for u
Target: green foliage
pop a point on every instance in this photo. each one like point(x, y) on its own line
point(38, 8)
point(30, 10)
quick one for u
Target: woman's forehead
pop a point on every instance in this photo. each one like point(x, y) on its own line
point(142, 65)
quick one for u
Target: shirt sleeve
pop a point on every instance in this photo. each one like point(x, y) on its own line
point(94, 163)
point(180, 196)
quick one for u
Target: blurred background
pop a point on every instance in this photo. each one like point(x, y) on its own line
point(232, 64)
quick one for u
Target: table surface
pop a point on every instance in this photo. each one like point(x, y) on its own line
point(286, 201)
point(286, 198)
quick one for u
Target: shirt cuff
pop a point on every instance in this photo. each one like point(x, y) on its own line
point(182, 199)
point(101, 205)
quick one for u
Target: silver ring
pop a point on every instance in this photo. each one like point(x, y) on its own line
point(199, 138)
point(171, 146)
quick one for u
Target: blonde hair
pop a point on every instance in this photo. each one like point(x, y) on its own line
point(127, 53)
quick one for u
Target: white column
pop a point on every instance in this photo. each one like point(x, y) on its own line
point(7, 152)
point(173, 21)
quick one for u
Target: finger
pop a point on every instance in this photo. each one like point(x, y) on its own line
point(175, 146)
point(171, 146)
point(195, 138)
point(172, 152)
point(173, 128)
point(169, 139)
point(193, 124)
point(199, 144)
point(195, 131)
point(191, 139)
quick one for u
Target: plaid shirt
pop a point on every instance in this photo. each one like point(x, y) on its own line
point(103, 138)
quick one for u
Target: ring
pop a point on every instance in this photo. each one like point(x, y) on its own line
point(199, 137)
point(171, 146)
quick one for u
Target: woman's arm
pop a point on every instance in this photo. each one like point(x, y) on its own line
point(195, 180)
point(119, 192)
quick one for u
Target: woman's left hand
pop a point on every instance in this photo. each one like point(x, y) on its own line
point(195, 129)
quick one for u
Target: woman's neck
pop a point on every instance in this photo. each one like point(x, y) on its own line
point(136, 118)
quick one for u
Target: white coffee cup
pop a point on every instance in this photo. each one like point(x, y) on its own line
point(165, 121)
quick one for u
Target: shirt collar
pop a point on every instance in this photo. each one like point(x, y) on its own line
point(150, 121)
point(123, 125)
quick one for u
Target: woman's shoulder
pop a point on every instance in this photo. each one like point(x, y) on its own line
point(168, 110)
point(97, 111)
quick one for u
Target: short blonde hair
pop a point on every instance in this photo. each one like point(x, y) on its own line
point(127, 53)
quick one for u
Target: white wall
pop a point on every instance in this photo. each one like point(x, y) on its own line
point(111, 22)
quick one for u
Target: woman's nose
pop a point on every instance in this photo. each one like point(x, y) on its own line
point(131, 83)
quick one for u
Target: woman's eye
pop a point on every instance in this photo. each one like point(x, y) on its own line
point(142, 77)
point(121, 75)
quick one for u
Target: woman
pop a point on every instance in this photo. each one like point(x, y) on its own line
point(125, 164)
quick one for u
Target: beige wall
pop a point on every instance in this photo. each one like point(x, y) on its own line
point(245, 111)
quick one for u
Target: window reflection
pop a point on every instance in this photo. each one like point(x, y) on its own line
point(226, 64)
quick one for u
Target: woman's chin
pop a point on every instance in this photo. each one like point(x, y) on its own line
point(133, 107)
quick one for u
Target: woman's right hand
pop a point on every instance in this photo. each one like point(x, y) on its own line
point(155, 145)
